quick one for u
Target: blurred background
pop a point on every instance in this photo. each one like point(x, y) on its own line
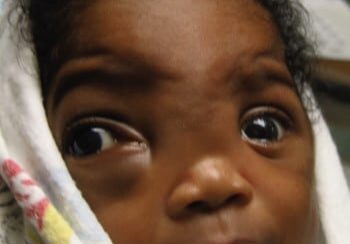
point(330, 28)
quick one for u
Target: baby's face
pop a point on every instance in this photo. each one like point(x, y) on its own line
point(180, 123)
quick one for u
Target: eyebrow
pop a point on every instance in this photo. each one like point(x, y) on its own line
point(94, 69)
point(126, 75)
point(269, 71)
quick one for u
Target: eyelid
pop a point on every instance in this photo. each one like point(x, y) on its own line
point(274, 111)
point(117, 128)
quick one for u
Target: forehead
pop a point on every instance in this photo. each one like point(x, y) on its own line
point(182, 36)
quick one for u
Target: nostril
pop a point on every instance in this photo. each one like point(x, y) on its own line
point(204, 206)
point(233, 198)
point(236, 199)
point(198, 206)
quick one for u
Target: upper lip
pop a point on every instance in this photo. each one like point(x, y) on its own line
point(221, 239)
point(238, 241)
point(244, 241)
point(235, 242)
point(227, 226)
point(229, 241)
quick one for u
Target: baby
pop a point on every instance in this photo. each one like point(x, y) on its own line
point(182, 121)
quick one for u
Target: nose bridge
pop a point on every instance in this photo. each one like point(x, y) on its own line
point(200, 114)
point(209, 185)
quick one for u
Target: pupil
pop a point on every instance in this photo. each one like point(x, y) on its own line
point(86, 142)
point(262, 129)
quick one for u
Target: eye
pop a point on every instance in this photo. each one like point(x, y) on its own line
point(90, 140)
point(264, 128)
point(90, 136)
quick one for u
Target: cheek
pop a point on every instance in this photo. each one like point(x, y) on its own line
point(288, 199)
point(296, 216)
point(119, 190)
point(129, 221)
point(138, 215)
point(108, 177)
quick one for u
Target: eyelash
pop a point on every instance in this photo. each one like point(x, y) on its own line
point(119, 133)
point(271, 110)
point(122, 134)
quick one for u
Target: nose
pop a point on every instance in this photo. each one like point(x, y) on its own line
point(209, 185)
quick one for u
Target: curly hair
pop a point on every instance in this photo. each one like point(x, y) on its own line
point(48, 24)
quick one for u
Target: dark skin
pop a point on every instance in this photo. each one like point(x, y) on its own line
point(197, 134)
